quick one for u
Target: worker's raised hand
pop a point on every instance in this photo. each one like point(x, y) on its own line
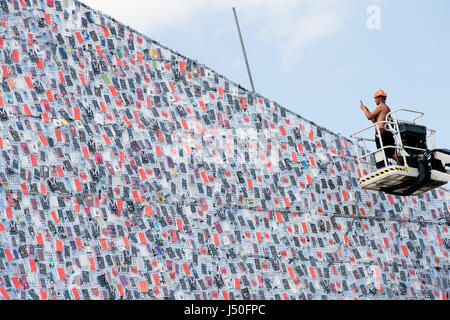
point(362, 105)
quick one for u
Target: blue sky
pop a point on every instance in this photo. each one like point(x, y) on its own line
point(318, 58)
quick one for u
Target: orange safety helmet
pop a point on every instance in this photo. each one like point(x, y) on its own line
point(380, 93)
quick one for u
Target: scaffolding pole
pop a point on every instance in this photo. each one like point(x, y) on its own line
point(243, 50)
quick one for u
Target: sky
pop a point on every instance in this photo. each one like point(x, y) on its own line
point(318, 58)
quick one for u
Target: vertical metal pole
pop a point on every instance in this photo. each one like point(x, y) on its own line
point(243, 50)
point(399, 138)
point(382, 147)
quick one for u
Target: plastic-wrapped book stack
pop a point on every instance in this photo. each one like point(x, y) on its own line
point(130, 171)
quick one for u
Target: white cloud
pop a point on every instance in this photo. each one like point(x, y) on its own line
point(294, 27)
point(288, 25)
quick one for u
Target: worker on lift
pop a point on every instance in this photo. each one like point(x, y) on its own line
point(378, 116)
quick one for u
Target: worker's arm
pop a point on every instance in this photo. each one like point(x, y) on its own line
point(371, 115)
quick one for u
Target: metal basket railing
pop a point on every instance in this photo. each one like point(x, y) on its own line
point(392, 125)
